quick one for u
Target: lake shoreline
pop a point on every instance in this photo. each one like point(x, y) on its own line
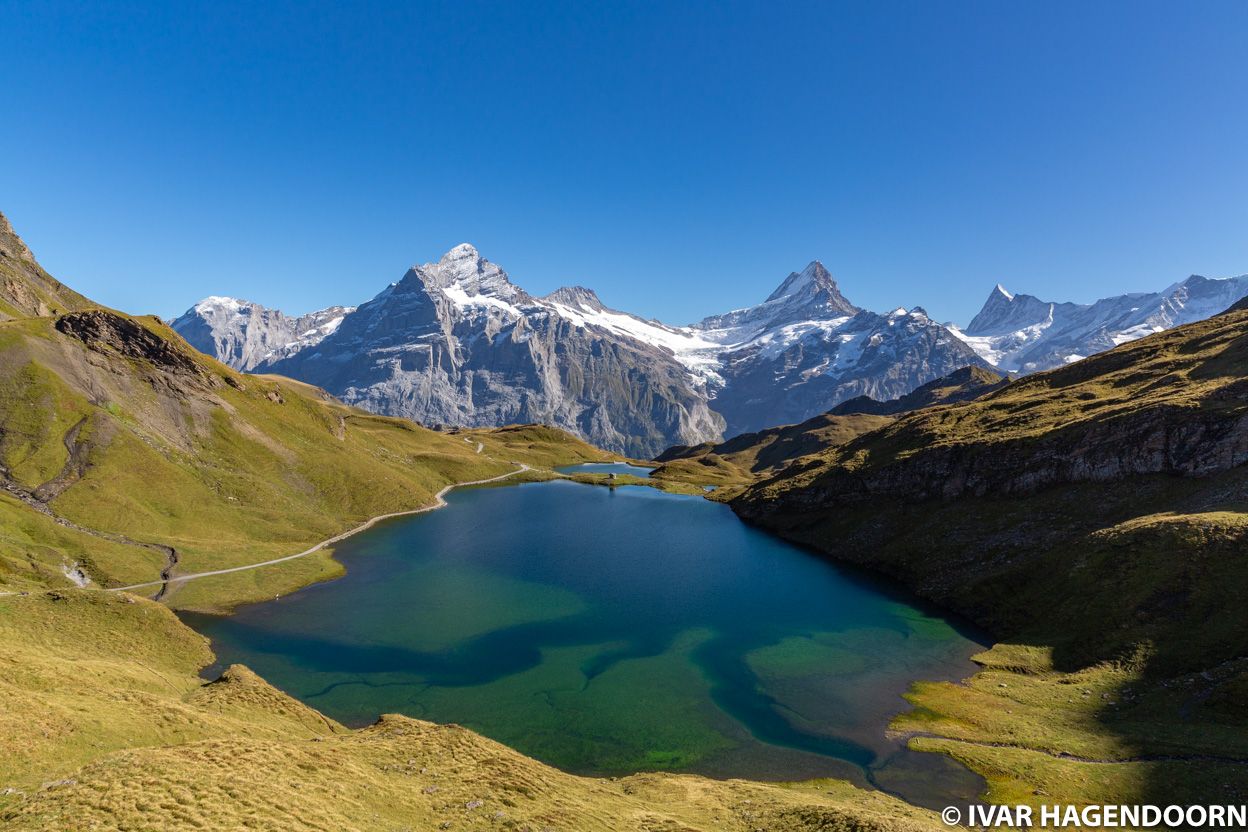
point(377, 575)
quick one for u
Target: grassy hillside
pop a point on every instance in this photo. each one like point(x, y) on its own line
point(1095, 518)
point(113, 425)
point(739, 461)
point(742, 460)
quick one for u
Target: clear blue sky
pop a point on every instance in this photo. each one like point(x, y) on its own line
point(680, 158)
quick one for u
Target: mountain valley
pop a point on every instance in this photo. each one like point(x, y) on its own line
point(129, 459)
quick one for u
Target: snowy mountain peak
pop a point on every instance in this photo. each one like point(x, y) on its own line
point(245, 334)
point(220, 304)
point(812, 281)
point(1022, 333)
point(463, 271)
point(464, 278)
point(808, 295)
point(577, 297)
point(813, 289)
point(1005, 312)
point(463, 251)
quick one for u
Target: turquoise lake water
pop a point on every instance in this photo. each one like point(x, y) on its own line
point(609, 631)
point(606, 468)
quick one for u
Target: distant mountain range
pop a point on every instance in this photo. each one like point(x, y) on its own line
point(457, 343)
point(1023, 334)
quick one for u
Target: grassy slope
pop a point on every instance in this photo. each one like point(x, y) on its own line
point(227, 469)
point(737, 462)
point(1120, 673)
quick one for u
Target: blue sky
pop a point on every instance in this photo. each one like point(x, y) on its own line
point(680, 158)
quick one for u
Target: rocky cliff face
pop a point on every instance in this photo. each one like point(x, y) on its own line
point(246, 335)
point(456, 342)
point(25, 288)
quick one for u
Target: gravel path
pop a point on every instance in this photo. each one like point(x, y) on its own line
point(438, 502)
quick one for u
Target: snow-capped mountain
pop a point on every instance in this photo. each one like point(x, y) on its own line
point(245, 335)
point(456, 342)
point(792, 371)
point(1023, 334)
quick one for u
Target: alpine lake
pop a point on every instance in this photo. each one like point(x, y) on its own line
point(608, 631)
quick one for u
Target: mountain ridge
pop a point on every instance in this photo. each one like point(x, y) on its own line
point(1020, 333)
point(490, 352)
point(457, 342)
point(25, 288)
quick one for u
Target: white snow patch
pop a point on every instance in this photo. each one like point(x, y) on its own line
point(690, 347)
point(458, 296)
point(220, 303)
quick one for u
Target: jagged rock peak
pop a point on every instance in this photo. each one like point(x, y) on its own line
point(813, 286)
point(578, 297)
point(814, 275)
point(11, 245)
point(1005, 311)
point(463, 268)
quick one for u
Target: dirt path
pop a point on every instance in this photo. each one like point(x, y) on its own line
point(438, 502)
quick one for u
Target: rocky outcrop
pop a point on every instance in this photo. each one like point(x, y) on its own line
point(1177, 441)
point(25, 288)
point(106, 331)
point(245, 334)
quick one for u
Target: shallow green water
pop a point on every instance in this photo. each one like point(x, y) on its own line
point(610, 631)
